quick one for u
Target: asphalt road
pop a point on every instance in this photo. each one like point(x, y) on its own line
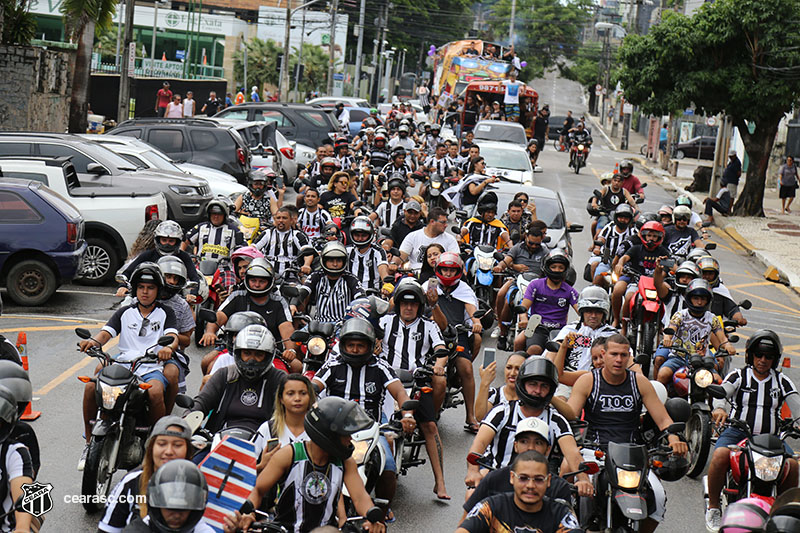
point(55, 363)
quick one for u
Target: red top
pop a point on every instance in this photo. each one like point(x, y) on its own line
point(164, 97)
point(632, 184)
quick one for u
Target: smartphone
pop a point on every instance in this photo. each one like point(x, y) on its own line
point(433, 282)
point(272, 444)
point(488, 356)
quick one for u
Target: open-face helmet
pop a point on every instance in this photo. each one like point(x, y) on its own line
point(333, 250)
point(259, 268)
point(764, 342)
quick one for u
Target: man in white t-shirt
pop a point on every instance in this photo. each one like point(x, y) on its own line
point(188, 104)
point(415, 244)
point(511, 98)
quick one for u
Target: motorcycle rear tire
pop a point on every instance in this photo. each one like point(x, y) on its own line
point(97, 474)
point(698, 435)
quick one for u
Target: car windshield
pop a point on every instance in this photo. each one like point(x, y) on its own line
point(159, 161)
point(547, 209)
point(506, 159)
point(107, 157)
point(500, 132)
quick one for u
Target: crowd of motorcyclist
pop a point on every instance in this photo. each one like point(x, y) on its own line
point(357, 308)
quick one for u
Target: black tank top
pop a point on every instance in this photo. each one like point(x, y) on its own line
point(613, 411)
point(611, 199)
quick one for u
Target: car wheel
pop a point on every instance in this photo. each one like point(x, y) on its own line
point(30, 282)
point(99, 262)
point(679, 154)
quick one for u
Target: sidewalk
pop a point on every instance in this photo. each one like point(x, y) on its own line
point(773, 239)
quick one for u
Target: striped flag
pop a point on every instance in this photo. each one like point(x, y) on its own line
point(230, 471)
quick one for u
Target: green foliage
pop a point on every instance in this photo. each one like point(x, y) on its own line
point(19, 24)
point(315, 68)
point(262, 63)
point(585, 65)
point(105, 42)
point(78, 12)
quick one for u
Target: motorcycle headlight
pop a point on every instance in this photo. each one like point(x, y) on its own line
point(767, 468)
point(580, 147)
point(650, 294)
point(628, 479)
point(614, 277)
point(360, 452)
point(703, 378)
point(485, 263)
point(110, 394)
point(317, 346)
point(436, 184)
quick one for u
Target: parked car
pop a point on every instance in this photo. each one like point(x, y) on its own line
point(348, 101)
point(305, 124)
point(500, 131)
point(698, 148)
point(146, 156)
point(357, 115)
point(112, 216)
point(195, 140)
point(97, 166)
point(509, 161)
point(41, 240)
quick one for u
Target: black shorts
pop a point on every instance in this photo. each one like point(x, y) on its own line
point(465, 341)
point(426, 412)
point(539, 337)
point(787, 191)
point(540, 146)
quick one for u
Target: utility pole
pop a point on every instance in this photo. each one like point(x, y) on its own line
point(283, 86)
point(299, 58)
point(332, 47)
point(359, 48)
point(153, 42)
point(511, 22)
point(244, 82)
point(119, 33)
point(374, 65)
point(127, 67)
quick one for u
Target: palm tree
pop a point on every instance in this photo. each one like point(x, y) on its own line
point(262, 62)
point(315, 67)
point(81, 18)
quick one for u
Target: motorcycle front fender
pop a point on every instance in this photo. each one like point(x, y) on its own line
point(651, 306)
point(102, 428)
point(632, 505)
point(701, 406)
point(485, 278)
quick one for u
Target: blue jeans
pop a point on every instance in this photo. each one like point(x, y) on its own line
point(734, 436)
point(602, 221)
point(391, 466)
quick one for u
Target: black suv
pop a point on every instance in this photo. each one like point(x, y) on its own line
point(305, 124)
point(194, 140)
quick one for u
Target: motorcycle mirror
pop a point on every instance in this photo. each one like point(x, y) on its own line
point(498, 256)
point(711, 246)
point(676, 427)
point(460, 213)
point(473, 458)
point(456, 230)
point(441, 352)
point(296, 185)
point(374, 515)
point(184, 400)
point(122, 279)
point(552, 346)
point(385, 232)
point(597, 194)
point(289, 291)
point(300, 336)
point(208, 315)
point(591, 467)
point(639, 200)
point(598, 243)
point(730, 329)
point(388, 279)
point(394, 251)
point(644, 185)
point(519, 309)
point(706, 224)
point(410, 405)
point(546, 240)
point(166, 340)
point(83, 333)
point(191, 285)
point(575, 228)
point(669, 331)
point(317, 388)
point(733, 338)
point(730, 324)
point(716, 391)
point(745, 304)
point(247, 507)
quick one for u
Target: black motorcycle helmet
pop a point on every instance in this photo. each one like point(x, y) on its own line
point(698, 287)
point(257, 177)
point(785, 519)
point(254, 337)
point(357, 328)
point(555, 256)
point(623, 211)
point(409, 290)
point(168, 229)
point(396, 182)
point(148, 272)
point(16, 379)
point(9, 412)
point(237, 322)
point(177, 485)
point(678, 409)
point(764, 342)
point(540, 369)
point(217, 207)
point(484, 207)
point(332, 418)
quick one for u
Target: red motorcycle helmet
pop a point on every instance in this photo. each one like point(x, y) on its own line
point(449, 260)
point(650, 228)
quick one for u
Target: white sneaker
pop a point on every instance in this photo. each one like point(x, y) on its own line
point(713, 520)
point(496, 333)
point(82, 460)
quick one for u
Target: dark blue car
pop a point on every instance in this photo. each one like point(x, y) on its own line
point(41, 240)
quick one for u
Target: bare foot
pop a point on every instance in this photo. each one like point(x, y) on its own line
point(441, 493)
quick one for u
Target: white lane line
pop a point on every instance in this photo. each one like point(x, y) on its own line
point(97, 293)
point(71, 318)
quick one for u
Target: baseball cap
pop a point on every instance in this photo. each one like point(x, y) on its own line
point(731, 152)
point(533, 425)
point(413, 205)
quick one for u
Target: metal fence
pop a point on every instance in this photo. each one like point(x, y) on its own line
point(144, 68)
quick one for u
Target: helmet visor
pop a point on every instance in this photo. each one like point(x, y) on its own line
point(350, 421)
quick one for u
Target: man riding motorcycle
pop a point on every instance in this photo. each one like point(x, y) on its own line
point(611, 197)
point(630, 182)
point(486, 229)
point(580, 135)
point(217, 238)
point(259, 201)
point(366, 258)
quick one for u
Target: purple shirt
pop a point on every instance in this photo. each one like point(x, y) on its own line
point(552, 305)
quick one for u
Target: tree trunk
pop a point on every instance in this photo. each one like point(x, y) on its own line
point(758, 146)
point(79, 103)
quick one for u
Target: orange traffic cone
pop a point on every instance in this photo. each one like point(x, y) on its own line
point(616, 168)
point(785, 411)
point(22, 347)
point(163, 56)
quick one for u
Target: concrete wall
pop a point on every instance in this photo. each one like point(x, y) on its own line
point(35, 88)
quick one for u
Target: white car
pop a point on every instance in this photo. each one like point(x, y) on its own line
point(508, 161)
point(348, 101)
point(500, 131)
point(252, 133)
point(145, 155)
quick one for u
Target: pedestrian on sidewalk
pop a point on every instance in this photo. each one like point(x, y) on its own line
point(731, 174)
point(723, 203)
point(163, 98)
point(788, 185)
point(189, 105)
point(174, 108)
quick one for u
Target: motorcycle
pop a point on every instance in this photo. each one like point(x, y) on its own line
point(479, 269)
point(578, 153)
point(121, 424)
point(646, 311)
point(206, 268)
point(515, 295)
point(315, 344)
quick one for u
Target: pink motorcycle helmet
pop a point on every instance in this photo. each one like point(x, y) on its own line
point(748, 515)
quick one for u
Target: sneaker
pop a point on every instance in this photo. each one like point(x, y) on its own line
point(713, 520)
point(495, 333)
point(82, 460)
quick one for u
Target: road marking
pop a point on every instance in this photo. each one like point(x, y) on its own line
point(727, 238)
point(752, 284)
point(790, 309)
point(51, 317)
point(740, 275)
point(62, 377)
point(53, 328)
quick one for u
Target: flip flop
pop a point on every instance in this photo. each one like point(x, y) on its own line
point(472, 428)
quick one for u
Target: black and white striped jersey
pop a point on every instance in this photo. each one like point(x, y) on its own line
point(440, 166)
point(389, 213)
point(215, 242)
point(281, 247)
point(331, 298)
point(365, 385)
point(759, 402)
point(389, 169)
point(503, 420)
point(16, 463)
point(364, 266)
point(345, 162)
point(408, 346)
point(313, 222)
point(613, 239)
point(121, 508)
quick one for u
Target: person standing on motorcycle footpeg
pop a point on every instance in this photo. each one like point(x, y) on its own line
point(486, 229)
point(610, 235)
point(458, 303)
point(390, 210)
point(693, 329)
point(367, 259)
point(215, 239)
point(611, 399)
point(311, 474)
point(535, 386)
point(170, 439)
point(312, 218)
point(168, 237)
point(574, 357)
point(139, 327)
point(756, 394)
point(331, 290)
point(177, 495)
point(398, 166)
point(260, 297)
point(358, 375)
point(611, 197)
point(259, 201)
point(550, 298)
point(410, 341)
point(281, 244)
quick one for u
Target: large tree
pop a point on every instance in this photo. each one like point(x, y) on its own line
point(262, 63)
point(731, 57)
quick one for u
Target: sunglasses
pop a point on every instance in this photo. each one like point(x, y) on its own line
point(525, 480)
point(145, 327)
point(764, 356)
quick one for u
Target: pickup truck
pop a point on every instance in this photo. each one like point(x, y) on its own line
point(113, 215)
